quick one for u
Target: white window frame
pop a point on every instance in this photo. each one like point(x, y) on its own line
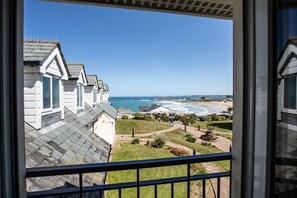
point(286, 110)
point(51, 109)
point(80, 98)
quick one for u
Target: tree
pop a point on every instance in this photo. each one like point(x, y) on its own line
point(165, 117)
point(157, 116)
point(230, 109)
point(188, 119)
point(139, 116)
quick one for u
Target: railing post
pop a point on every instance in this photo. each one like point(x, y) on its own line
point(137, 175)
point(80, 185)
point(188, 180)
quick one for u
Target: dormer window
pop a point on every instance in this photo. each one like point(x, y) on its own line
point(51, 93)
point(94, 96)
point(79, 95)
point(290, 92)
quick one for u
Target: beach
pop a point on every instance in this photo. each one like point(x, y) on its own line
point(180, 104)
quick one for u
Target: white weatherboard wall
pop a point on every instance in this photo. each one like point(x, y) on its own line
point(32, 100)
point(88, 96)
point(105, 128)
point(100, 96)
point(70, 93)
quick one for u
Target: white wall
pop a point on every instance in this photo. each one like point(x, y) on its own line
point(88, 96)
point(32, 99)
point(70, 100)
point(105, 128)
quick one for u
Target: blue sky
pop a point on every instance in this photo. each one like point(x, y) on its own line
point(139, 53)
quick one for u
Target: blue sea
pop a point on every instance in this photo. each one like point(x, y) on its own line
point(133, 103)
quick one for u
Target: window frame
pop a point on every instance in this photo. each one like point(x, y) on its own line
point(79, 98)
point(287, 110)
point(51, 109)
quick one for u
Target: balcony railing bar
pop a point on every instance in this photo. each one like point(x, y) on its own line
point(219, 188)
point(106, 187)
point(115, 166)
point(129, 165)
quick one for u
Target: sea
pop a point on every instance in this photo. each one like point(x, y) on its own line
point(180, 105)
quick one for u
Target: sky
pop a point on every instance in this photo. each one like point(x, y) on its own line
point(139, 53)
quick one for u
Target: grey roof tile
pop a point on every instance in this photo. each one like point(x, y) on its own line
point(100, 84)
point(66, 144)
point(92, 79)
point(110, 110)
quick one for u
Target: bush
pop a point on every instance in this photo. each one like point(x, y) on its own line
point(165, 117)
point(205, 144)
point(205, 118)
point(159, 141)
point(139, 116)
point(125, 117)
point(178, 152)
point(148, 118)
point(190, 138)
point(188, 135)
point(135, 141)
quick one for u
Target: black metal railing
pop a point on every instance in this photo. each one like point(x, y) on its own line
point(130, 165)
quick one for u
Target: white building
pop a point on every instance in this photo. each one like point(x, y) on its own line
point(45, 74)
point(74, 88)
point(105, 93)
point(91, 90)
point(155, 108)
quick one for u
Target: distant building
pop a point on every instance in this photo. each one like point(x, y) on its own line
point(155, 108)
point(91, 90)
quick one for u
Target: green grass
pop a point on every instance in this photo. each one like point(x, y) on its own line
point(221, 126)
point(128, 152)
point(139, 126)
point(178, 137)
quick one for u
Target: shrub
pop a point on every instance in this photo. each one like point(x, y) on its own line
point(190, 138)
point(139, 116)
point(178, 152)
point(125, 117)
point(148, 143)
point(206, 118)
point(205, 144)
point(159, 141)
point(188, 135)
point(148, 118)
point(165, 117)
point(135, 141)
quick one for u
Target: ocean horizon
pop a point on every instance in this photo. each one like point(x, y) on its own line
point(133, 103)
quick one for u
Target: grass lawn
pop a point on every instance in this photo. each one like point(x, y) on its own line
point(128, 152)
point(178, 137)
point(221, 126)
point(139, 126)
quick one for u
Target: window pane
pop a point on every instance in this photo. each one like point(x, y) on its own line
point(290, 93)
point(56, 93)
point(81, 97)
point(77, 95)
point(94, 96)
point(285, 140)
point(46, 93)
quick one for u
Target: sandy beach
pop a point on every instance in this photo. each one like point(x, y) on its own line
point(222, 106)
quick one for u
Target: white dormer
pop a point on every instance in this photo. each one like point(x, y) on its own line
point(100, 92)
point(74, 88)
point(105, 93)
point(44, 73)
point(91, 90)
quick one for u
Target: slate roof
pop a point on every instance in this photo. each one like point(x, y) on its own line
point(100, 84)
point(92, 79)
point(151, 108)
point(37, 51)
point(75, 69)
point(71, 142)
point(110, 110)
